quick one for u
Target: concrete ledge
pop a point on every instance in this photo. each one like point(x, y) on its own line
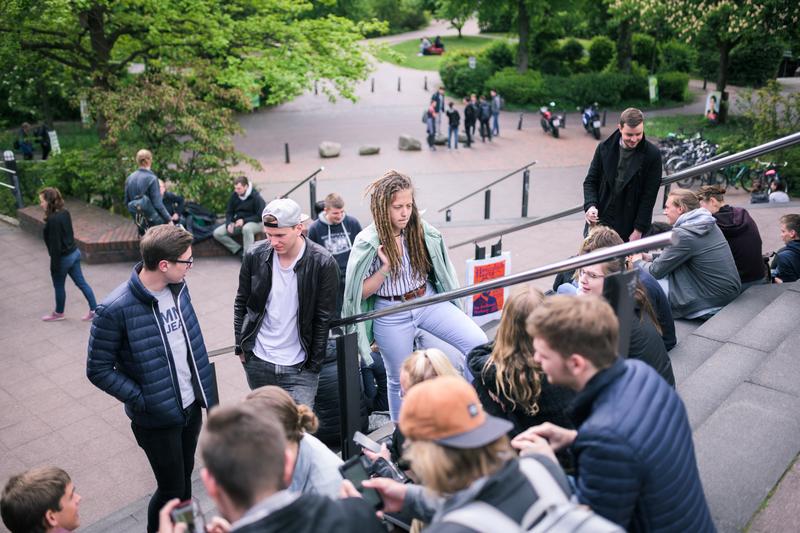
point(690, 353)
point(769, 327)
point(781, 371)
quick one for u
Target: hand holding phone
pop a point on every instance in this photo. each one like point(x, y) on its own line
point(188, 512)
point(355, 471)
point(366, 442)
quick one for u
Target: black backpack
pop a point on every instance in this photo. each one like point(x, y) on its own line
point(200, 221)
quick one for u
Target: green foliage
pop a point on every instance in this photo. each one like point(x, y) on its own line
point(457, 12)
point(753, 62)
point(402, 15)
point(645, 51)
point(601, 52)
point(461, 80)
point(572, 51)
point(605, 88)
point(519, 88)
point(673, 86)
point(500, 53)
point(405, 53)
point(678, 57)
point(496, 17)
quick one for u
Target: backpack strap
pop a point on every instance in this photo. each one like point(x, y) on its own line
point(549, 493)
point(481, 516)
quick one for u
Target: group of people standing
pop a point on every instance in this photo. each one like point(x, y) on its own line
point(477, 111)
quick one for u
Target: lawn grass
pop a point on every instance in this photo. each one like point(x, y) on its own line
point(725, 135)
point(408, 51)
point(71, 136)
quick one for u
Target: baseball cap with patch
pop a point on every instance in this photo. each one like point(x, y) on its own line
point(286, 212)
point(446, 410)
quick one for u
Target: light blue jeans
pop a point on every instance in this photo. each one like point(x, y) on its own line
point(395, 337)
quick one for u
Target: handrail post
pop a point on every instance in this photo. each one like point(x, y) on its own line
point(312, 197)
point(526, 182)
point(349, 390)
point(11, 165)
point(487, 204)
point(286, 151)
point(519, 124)
point(448, 215)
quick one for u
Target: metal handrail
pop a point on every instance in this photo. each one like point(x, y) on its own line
point(691, 172)
point(598, 256)
point(303, 181)
point(495, 182)
point(572, 263)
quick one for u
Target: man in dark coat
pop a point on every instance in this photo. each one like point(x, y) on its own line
point(621, 186)
point(142, 185)
point(470, 116)
point(786, 265)
point(242, 217)
point(630, 423)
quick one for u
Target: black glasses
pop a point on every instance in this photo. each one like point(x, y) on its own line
point(188, 262)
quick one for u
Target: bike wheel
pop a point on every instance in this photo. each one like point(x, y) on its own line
point(686, 183)
point(543, 123)
point(720, 178)
point(555, 133)
point(596, 133)
point(748, 179)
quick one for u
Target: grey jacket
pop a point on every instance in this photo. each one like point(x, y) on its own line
point(700, 267)
point(143, 182)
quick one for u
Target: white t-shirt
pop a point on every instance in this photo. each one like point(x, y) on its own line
point(177, 343)
point(278, 340)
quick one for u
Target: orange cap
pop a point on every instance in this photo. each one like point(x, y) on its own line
point(447, 410)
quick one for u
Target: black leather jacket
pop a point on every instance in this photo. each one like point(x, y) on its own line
point(317, 287)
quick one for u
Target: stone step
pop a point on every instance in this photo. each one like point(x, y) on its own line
point(781, 370)
point(773, 324)
point(690, 353)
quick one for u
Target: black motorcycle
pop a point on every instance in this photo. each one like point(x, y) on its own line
point(550, 121)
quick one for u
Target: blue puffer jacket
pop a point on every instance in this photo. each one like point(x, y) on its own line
point(634, 453)
point(129, 355)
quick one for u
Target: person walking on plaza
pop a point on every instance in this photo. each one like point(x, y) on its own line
point(146, 350)
point(453, 119)
point(143, 195)
point(496, 104)
point(438, 100)
point(398, 258)
point(485, 115)
point(242, 217)
point(470, 116)
point(335, 231)
point(40, 500)
point(65, 257)
point(633, 445)
point(430, 125)
point(284, 304)
point(621, 186)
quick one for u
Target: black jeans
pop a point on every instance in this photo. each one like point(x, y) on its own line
point(171, 455)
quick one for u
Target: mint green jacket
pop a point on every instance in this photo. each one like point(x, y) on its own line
point(364, 250)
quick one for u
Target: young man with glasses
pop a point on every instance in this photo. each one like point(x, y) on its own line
point(146, 350)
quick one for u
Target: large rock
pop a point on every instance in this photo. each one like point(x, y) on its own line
point(329, 149)
point(369, 150)
point(462, 137)
point(409, 143)
point(440, 139)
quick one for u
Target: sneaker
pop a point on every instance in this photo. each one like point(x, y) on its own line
point(89, 316)
point(53, 317)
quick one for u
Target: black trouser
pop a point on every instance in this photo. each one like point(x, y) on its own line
point(486, 130)
point(171, 455)
point(469, 128)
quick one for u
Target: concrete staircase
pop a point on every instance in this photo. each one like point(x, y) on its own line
point(739, 376)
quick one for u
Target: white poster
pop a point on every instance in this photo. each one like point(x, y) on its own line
point(487, 306)
point(55, 147)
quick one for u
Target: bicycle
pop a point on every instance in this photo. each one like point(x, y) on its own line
point(739, 175)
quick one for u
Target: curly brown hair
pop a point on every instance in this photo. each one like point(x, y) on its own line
point(55, 202)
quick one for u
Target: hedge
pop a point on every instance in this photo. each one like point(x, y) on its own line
point(520, 88)
point(601, 52)
point(678, 57)
point(673, 86)
point(461, 80)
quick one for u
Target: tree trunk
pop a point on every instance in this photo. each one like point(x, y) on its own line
point(93, 20)
point(624, 46)
point(722, 80)
point(523, 29)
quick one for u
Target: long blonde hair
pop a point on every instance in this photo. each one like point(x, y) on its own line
point(517, 376)
point(430, 363)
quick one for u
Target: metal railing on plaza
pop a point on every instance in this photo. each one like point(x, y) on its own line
point(311, 179)
point(697, 170)
point(487, 198)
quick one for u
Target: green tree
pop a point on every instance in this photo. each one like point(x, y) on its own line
point(457, 12)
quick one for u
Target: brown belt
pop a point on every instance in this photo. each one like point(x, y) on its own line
point(410, 295)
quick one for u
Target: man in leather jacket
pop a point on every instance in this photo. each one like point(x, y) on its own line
point(285, 302)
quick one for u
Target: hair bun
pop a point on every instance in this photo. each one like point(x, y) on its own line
point(306, 419)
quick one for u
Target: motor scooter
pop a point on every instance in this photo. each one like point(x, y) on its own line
point(550, 121)
point(590, 117)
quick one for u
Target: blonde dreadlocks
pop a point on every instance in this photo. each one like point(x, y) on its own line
point(382, 190)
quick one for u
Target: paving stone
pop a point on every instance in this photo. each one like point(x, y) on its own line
point(690, 353)
point(743, 448)
point(781, 370)
point(26, 430)
point(783, 511)
point(714, 380)
point(768, 329)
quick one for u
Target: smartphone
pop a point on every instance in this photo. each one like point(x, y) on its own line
point(366, 442)
point(355, 471)
point(188, 512)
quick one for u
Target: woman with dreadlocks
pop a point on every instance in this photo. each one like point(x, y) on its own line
point(400, 257)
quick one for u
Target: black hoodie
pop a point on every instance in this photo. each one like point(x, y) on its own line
point(742, 234)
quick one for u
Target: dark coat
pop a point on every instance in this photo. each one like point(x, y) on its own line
point(787, 262)
point(453, 118)
point(58, 237)
point(311, 513)
point(317, 288)
point(553, 401)
point(660, 304)
point(647, 346)
point(634, 452)
point(742, 234)
point(130, 360)
point(470, 114)
point(143, 182)
point(249, 209)
point(634, 208)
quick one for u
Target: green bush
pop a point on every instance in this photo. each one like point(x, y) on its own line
point(520, 88)
point(402, 15)
point(461, 80)
point(572, 51)
point(673, 86)
point(601, 52)
point(677, 57)
point(645, 51)
point(754, 62)
point(500, 53)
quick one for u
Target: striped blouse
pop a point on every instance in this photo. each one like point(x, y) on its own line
point(398, 284)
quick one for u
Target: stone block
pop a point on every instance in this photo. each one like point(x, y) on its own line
point(689, 354)
point(781, 370)
point(734, 317)
point(440, 139)
point(369, 150)
point(408, 143)
point(462, 137)
point(329, 149)
point(772, 325)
